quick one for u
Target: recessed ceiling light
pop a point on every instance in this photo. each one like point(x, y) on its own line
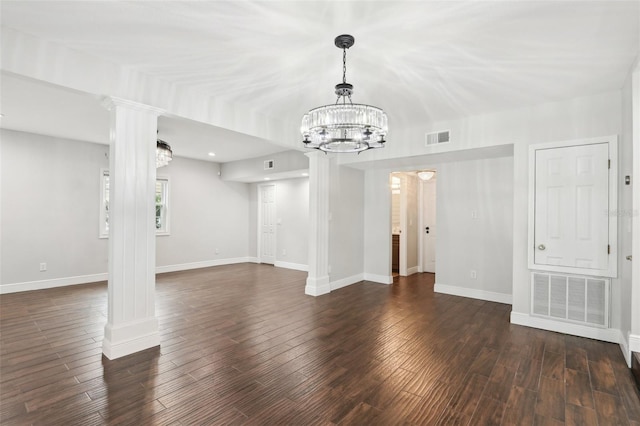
point(305, 174)
point(267, 178)
point(212, 154)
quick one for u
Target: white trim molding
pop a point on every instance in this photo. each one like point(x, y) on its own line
point(52, 283)
point(612, 269)
point(380, 279)
point(606, 334)
point(130, 337)
point(634, 343)
point(317, 286)
point(290, 265)
point(88, 279)
point(413, 270)
point(346, 281)
point(624, 347)
point(202, 264)
point(473, 293)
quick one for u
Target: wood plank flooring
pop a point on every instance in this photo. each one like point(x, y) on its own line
point(242, 344)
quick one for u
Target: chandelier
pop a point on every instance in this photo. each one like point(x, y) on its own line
point(163, 153)
point(344, 126)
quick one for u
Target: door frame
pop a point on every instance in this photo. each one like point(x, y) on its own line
point(259, 227)
point(612, 270)
point(421, 221)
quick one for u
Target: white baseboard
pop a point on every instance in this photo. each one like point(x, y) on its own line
point(473, 293)
point(86, 279)
point(130, 336)
point(413, 270)
point(382, 279)
point(203, 264)
point(346, 281)
point(253, 259)
point(56, 282)
point(605, 334)
point(317, 286)
point(624, 347)
point(289, 265)
point(634, 342)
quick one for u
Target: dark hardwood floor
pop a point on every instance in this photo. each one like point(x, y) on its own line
point(242, 344)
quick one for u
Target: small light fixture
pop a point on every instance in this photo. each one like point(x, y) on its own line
point(267, 178)
point(305, 174)
point(426, 175)
point(212, 154)
point(164, 154)
point(344, 126)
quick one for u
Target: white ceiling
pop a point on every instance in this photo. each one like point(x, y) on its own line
point(36, 107)
point(419, 61)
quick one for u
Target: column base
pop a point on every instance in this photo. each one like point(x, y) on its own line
point(127, 338)
point(317, 286)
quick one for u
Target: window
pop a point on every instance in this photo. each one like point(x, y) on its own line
point(162, 205)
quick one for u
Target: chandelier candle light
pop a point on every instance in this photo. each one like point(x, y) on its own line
point(344, 126)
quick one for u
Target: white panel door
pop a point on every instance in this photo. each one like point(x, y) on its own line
point(268, 224)
point(571, 206)
point(429, 226)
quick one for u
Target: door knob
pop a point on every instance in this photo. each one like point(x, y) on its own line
point(629, 257)
point(541, 247)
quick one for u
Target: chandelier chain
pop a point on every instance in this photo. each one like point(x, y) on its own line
point(344, 65)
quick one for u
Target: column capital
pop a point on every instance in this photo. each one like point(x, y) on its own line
point(111, 102)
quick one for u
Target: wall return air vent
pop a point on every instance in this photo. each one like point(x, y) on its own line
point(437, 138)
point(583, 300)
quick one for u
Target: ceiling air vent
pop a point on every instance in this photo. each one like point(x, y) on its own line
point(437, 138)
point(268, 164)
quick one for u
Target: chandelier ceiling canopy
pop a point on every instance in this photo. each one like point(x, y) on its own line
point(344, 126)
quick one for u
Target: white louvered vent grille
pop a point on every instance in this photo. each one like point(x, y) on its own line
point(437, 138)
point(583, 300)
point(269, 164)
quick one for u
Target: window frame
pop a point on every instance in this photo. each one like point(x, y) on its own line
point(104, 200)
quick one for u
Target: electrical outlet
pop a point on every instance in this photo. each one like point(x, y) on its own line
point(473, 274)
point(43, 266)
point(284, 252)
point(474, 214)
point(217, 251)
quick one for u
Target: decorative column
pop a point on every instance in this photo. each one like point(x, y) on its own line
point(318, 278)
point(131, 325)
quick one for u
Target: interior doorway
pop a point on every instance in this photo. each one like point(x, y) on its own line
point(267, 224)
point(413, 222)
point(428, 224)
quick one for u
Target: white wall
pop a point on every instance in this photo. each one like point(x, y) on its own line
point(50, 212)
point(475, 227)
point(50, 204)
point(584, 117)
point(625, 210)
point(292, 212)
point(207, 213)
point(346, 228)
point(377, 224)
point(484, 185)
point(252, 169)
